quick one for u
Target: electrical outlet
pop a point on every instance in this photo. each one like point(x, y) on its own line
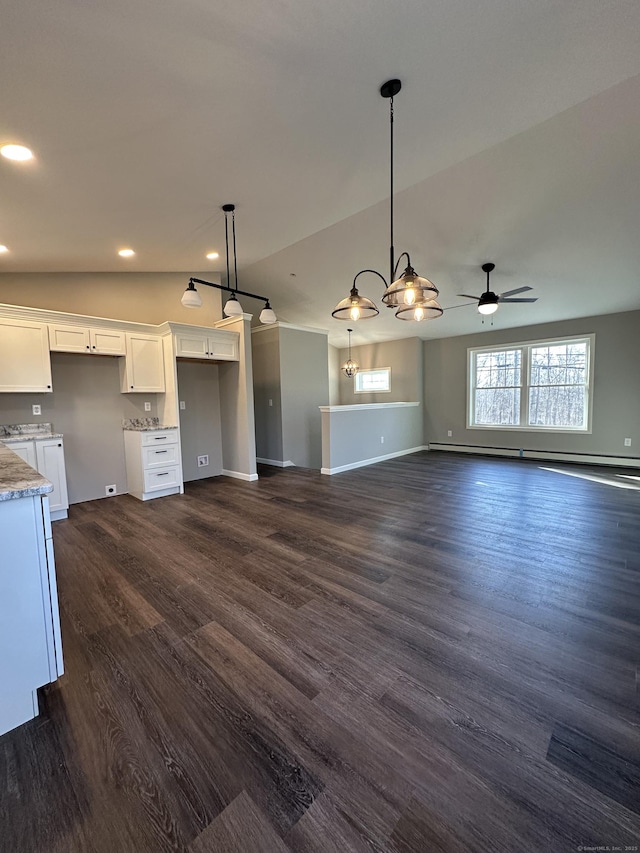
point(203, 461)
point(110, 490)
point(449, 433)
point(381, 439)
point(627, 442)
point(147, 407)
point(36, 410)
point(183, 405)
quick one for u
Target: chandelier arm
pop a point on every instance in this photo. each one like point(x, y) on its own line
point(229, 289)
point(395, 269)
point(375, 272)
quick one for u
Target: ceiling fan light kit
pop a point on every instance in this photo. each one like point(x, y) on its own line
point(413, 296)
point(488, 301)
point(192, 299)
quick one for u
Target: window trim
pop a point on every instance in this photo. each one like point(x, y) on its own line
point(371, 370)
point(525, 347)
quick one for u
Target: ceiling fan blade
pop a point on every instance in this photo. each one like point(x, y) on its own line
point(463, 305)
point(526, 299)
point(517, 290)
point(466, 296)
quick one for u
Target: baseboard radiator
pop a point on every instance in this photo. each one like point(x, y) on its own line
point(545, 455)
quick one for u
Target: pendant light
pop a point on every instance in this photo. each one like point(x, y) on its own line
point(413, 295)
point(350, 367)
point(192, 299)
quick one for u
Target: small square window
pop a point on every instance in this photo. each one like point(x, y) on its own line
point(373, 381)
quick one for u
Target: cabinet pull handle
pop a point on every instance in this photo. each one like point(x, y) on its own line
point(59, 445)
point(88, 347)
point(160, 438)
point(48, 386)
point(132, 386)
point(94, 346)
point(157, 451)
point(164, 474)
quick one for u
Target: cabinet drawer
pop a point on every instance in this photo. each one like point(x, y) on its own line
point(157, 438)
point(156, 479)
point(160, 457)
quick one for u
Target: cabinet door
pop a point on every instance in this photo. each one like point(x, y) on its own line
point(68, 339)
point(50, 459)
point(144, 368)
point(108, 342)
point(192, 346)
point(25, 365)
point(224, 346)
point(26, 450)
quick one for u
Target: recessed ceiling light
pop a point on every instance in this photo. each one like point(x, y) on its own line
point(126, 253)
point(212, 256)
point(3, 249)
point(16, 152)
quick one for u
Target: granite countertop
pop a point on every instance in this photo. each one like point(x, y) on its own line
point(10, 433)
point(144, 424)
point(19, 480)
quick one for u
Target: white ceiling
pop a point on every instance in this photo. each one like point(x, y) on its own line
point(517, 141)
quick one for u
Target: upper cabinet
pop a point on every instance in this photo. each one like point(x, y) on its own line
point(94, 341)
point(25, 365)
point(217, 345)
point(142, 369)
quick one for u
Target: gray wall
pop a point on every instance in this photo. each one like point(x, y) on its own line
point(265, 346)
point(404, 357)
point(616, 395)
point(349, 437)
point(200, 431)
point(87, 407)
point(334, 376)
point(305, 387)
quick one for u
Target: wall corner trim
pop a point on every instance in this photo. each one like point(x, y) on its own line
point(239, 475)
point(276, 463)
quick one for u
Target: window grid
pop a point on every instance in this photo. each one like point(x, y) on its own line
point(561, 370)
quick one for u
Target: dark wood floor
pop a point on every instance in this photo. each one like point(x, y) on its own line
point(438, 653)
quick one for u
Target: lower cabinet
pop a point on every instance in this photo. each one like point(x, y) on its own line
point(29, 617)
point(153, 463)
point(46, 455)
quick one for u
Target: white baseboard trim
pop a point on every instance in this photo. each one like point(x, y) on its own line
point(239, 475)
point(372, 461)
point(277, 463)
point(545, 455)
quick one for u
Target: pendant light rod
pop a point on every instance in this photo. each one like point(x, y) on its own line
point(488, 268)
point(235, 257)
point(226, 208)
point(388, 90)
point(375, 272)
point(229, 289)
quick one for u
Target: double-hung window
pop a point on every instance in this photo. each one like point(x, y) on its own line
point(541, 385)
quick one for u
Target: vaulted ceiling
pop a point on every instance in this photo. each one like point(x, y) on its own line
point(517, 141)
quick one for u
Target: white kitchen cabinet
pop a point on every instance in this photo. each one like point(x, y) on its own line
point(153, 462)
point(213, 345)
point(25, 365)
point(50, 463)
point(47, 457)
point(26, 450)
point(142, 369)
point(64, 338)
point(29, 618)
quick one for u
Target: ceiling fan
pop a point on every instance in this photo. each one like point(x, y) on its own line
point(488, 302)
